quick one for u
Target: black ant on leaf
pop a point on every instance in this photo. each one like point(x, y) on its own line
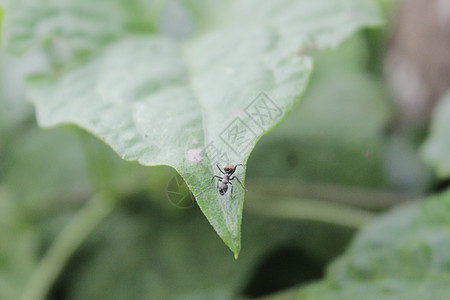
point(223, 182)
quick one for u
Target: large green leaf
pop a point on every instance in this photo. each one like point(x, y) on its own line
point(402, 255)
point(436, 150)
point(159, 100)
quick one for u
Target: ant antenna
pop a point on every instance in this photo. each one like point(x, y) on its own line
point(210, 187)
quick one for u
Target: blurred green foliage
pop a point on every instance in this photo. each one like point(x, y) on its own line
point(336, 134)
point(402, 255)
point(435, 150)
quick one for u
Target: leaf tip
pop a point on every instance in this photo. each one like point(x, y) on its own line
point(234, 246)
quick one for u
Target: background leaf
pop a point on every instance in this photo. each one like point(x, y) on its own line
point(402, 255)
point(436, 149)
point(74, 25)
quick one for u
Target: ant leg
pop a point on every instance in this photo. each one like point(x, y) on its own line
point(217, 184)
point(220, 169)
point(215, 177)
point(210, 187)
point(231, 193)
point(240, 183)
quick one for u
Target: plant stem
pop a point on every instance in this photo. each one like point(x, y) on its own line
point(67, 242)
point(308, 209)
point(372, 199)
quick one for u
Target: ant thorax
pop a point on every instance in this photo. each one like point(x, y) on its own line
point(223, 182)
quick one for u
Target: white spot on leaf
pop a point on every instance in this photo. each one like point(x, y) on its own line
point(194, 154)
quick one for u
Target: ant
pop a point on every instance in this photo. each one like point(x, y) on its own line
point(222, 182)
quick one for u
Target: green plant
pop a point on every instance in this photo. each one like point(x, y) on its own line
point(153, 97)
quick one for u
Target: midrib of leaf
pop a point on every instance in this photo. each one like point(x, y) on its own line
point(235, 248)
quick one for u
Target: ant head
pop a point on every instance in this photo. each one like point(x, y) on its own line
point(229, 168)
